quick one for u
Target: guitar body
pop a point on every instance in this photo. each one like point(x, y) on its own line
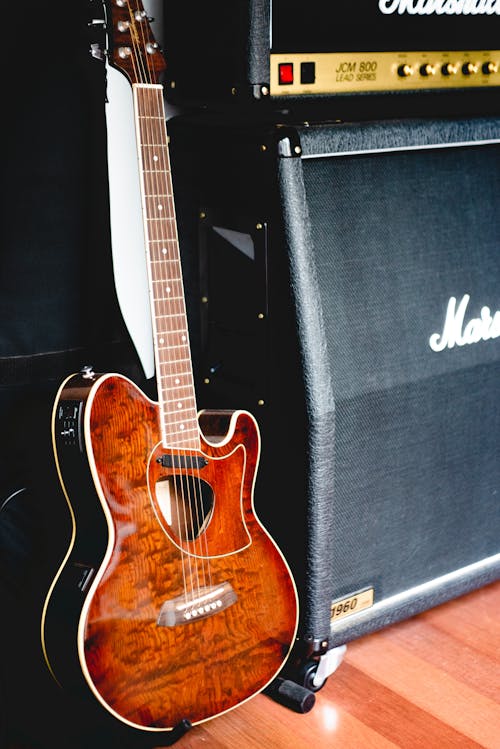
point(172, 602)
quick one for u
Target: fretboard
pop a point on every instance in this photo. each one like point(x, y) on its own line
point(174, 373)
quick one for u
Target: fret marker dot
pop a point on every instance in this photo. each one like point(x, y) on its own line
point(164, 250)
point(177, 381)
point(162, 340)
point(160, 207)
point(155, 158)
point(168, 289)
point(181, 426)
point(179, 405)
point(183, 338)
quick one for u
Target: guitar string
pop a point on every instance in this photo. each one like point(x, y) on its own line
point(169, 306)
point(145, 76)
point(194, 489)
point(200, 540)
point(195, 494)
point(198, 501)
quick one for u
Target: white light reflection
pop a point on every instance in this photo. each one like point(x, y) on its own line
point(329, 717)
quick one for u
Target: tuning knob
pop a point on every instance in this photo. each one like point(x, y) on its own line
point(450, 68)
point(405, 70)
point(489, 68)
point(469, 68)
point(427, 69)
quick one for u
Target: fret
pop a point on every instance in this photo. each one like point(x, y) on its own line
point(161, 258)
point(184, 438)
point(179, 358)
point(167, 314)
point(166, 299)
point(176, 378)
point(192, 443)
point(183, 424)
point(173, 339)
point(154, 163)
point(160, 209)
point(168, 330)
point(180, 388)
point(176, 417)
point(167, 339)
point(154, 145)
point(166, 389)
point(168, 223)
point(151, 117)
point(183, 432)
point(177, 347)
point(178, 400)
point(158, 171)
point(178, 314)
point(177, 361)
point(177, 310)
point(171, 330)
point(176, 331)
point(160, 253)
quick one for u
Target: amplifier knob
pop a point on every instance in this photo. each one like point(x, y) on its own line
point(427, 69)
point(450, 68)
point(489, 68)
point(405, 70)
point(469, 68)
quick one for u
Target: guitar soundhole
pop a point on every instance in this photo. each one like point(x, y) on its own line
point(186, 503)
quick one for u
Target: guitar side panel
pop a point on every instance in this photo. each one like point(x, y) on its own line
point(88, 542)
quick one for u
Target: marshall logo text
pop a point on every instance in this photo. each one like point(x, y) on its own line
point(441, 7)
point(455, 333)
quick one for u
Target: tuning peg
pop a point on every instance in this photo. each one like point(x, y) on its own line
point(97, 52)
point(97, 43)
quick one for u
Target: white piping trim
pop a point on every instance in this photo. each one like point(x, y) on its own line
point(425, 146)
point(426, 587)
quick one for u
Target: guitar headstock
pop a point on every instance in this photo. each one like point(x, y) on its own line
point(132, 47)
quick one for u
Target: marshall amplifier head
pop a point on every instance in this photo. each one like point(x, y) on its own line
point(281, 51)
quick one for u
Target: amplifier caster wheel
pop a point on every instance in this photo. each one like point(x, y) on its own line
point(307, 675)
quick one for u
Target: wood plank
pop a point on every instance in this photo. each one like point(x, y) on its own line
point(395, 717)
point(428, 687)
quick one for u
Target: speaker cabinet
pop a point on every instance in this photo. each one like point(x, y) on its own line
point(349, 297)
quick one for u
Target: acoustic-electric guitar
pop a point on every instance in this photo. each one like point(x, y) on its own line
point(173, 603)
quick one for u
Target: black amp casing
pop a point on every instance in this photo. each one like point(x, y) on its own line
point(344, 288)
point(402, 53)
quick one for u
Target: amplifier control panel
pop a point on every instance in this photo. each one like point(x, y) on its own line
point(356, 72)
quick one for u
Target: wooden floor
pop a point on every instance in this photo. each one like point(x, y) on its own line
point(432, 681)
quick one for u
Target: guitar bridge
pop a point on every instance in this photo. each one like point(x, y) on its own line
point(205, 601)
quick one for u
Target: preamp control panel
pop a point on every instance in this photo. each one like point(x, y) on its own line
point(356, 72)
point(383, 45)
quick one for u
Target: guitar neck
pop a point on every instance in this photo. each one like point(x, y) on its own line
point(174, 373)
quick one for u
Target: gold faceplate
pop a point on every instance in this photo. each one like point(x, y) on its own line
point(351, 605)
point(353, 72)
